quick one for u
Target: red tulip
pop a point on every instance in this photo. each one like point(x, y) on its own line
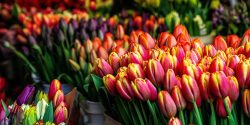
point(135, 71)
point(182, 39)
point(55, 85)
point(220, 107)
point(197, 43)
point(246, 101)
point(246, 37)
point(156, 53)
point(123, 87)
point(247, 49)
point(219, 43)
point(169, 80)
point(203, 86)
point(234, 88)
point(218, 85)
point(240, 50)
point(96, 43)
point(230, 51)
point(193, 56)
point(166, 104)
point(221, 54)
point(180, 29)
point(134, 57)
point(192, 70)
point(120, 32)
point(114, 61)
point(119, 50)
point(163, 39)
point(124, 60)
point(189, 88)
point(243, 74)
point(102, 68)
point(178, 98)
point(143, 89)
point(147, 41)
point(179, 52)
point(168, 61)
point(58, 98)
point(233, 40)
point(138, 22)
point(109, 82)
point(174, 121)
point(217, 65)
point(155, 72)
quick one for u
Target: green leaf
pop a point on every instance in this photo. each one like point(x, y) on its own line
point(49, 116)
point(97, 81)
point(5, 108)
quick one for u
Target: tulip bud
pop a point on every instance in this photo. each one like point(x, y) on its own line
point(82, 52)
point(163, 39)
point(229, 71)
point(58, 98)
point(246, 101)
point(124, 60)
point(192, 55)
point(108, 41)
point(166, 104)
point(247, 49)
point(233, 61)
point(124, 88)
point(203, 86)
point(144, 89)
point(61, 114)
point(147, 41)
point(93, 57)
point(134, 57)
point(246, 37)
point(102, 53)
point(240, 50)
point(102, 68)
point(197, 43)
point(182, 39)
point(233, 40)
point(189, 88)
point(179, 52)
point(55, 85)
point(41, 108)
point(30, 117)
point(221, 54)
point(234, 88)
point(219, 43)
point(26, 95)
point(218, 84)
point(220, 107)
point(114, 60)
point(192, 70)
point(209, 50)
point(168, 61)
point(88, 46)
point(230, 51)
point(119, 50)
point(42, 95)
point(243, 74)
point(109, 83)
point(180, 29)
point(155, 72)
point(217, 65)
point(135, 71)
point(119, 32)
point(75, 66)
point(169, 80)
point(178, 98)
point(174, 121)
point(139, 48)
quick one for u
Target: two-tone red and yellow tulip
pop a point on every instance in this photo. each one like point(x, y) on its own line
point(135, 71)
point(174, 121)
point(192, 70)
point(219, 43)
point(120, 32)
point(166, 39)
point(166, 104)
point(234, 88)
point(180, 29)
point(58, 98)
point(123, 87)
point(146, 41)
point(156, 53)
point(246, 37)
point(102, 68)
point(102, 53)
point(217, 65)
point(243, 74)
point(144, 90)
point(109, 82)
point(134, 57)
point(197, 43)
point(55, 85)
point(169, 80)
point(233, 61)
point(61, 114)
point(168, 61)
point(114, 61)
point(218, 85)
point(247, 49)
point(246, 101)
point(203, 83)
point(179, 52)
point(220, 107)
point(155, 72)
point(178, 98)
point(190, 88)
point(135, 47)
point(209, 50)
point(233, 40)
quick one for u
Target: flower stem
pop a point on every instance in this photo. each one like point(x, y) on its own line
point(230, 117)
point(213, 117)
point(182, 117)
point(153, 112)
point(197, 113)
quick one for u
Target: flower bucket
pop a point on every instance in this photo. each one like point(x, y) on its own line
point(94, 113)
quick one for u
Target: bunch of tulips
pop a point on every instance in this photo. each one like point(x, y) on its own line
point(48, 109)
point(178, 81)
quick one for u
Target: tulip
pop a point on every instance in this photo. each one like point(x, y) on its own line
point(220, 107)
point(114, 60)
point(93, 56)
point(230, 50)
point(169, 80)
point(217, 65)
point(174, 121)
point(178, 98)
point(219, 43)
point(139, 48)
point(233, 40)
point(233, 61)
point(49, 123)
point(119, 50)
point(146, 41)
point(179, 52)
point(42, 95)
point(180, 29)
point(75, 66)
point(26, 95)
point(209, 50)
point(119, 32)
point(203, 86)
point(240, 50)
point(124, 88)
point(193, 56)
point(30, 117)
point(155, 72)
point(221, 54)
point(124, 60)
point(102, 53)
point(247, 49)
point(246, 101)
point(143, 89)
point(41, 108)
point(234, 88)
point(182, 39)
point(218, 84)
point(166, 104)
point(82, 52)
point(2, 84)
point(163, 39)
point(103, 68)
point(58, 98)
point(109, 83)
point(197, 43)
point(243, 74)
point(168, 61)
point(229, 71)
point(135, 71)
point(134, 57)
point(246, 37)
point(61, 114)
point(192, 70)
point(55, 85)
point(189, 88)
point(88, 46)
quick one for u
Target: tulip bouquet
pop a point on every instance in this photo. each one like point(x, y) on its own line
point(177, 80)
point(48, 109)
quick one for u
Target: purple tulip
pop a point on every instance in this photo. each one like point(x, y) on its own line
point(26, 95)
